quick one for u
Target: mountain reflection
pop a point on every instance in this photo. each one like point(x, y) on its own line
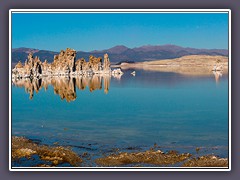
point(65, 87)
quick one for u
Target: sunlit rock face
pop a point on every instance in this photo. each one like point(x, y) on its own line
point(31, 68)
point(95, 63)
point(19, 65)
point(33, 65)
point(64, 63)
point(106, 63)
point(18, 70)
point(81, 65)
point(46, 68)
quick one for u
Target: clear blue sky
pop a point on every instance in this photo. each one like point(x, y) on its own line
point(87, 32)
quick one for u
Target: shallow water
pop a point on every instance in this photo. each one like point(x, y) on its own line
point(172, 110)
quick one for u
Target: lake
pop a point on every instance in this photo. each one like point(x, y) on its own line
point(100, 114)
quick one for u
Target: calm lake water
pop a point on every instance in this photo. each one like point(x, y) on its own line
point(169, 109)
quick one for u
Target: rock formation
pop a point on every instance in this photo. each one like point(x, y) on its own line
point(46, 68)
point(19, 70)
point(106, 63)
point(19, 65)
point(95, 63)
point(64, 64)
point(80, 65)
point(31, 68)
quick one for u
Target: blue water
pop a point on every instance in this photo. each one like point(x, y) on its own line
point(153, 107)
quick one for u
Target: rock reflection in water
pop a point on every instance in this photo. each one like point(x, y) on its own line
point(65, 87)
point(217, 75)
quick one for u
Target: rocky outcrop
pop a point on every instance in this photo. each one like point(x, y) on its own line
point(64, 64)
point(46, 68)
point(148, 157)
point(31, 68)
point(95, 63)
point(106, 63)
point(19, 65)
point(81, 65)
point(50, 155)
point(94, 66)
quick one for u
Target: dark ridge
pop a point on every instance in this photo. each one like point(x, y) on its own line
point(122, 53)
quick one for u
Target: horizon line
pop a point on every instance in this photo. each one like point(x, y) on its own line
point(120, 45)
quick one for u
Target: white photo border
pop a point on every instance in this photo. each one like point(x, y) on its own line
point(228, 11)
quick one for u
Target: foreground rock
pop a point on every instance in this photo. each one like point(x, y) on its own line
point(22, 147)
point(50, 156)
point(207, 161)
point(160, 158)
point(147, 157)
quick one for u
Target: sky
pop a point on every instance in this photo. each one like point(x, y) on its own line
point(99, 31)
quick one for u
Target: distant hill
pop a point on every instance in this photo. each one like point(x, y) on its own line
point(20, 54)
point(200, 65)
point(123, 54)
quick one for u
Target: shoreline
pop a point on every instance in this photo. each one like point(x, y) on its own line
point(35, 154)
point(191, 65)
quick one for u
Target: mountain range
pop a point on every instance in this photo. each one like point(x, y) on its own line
point(121, 53)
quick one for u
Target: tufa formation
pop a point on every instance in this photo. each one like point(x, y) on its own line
point(64, 64)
